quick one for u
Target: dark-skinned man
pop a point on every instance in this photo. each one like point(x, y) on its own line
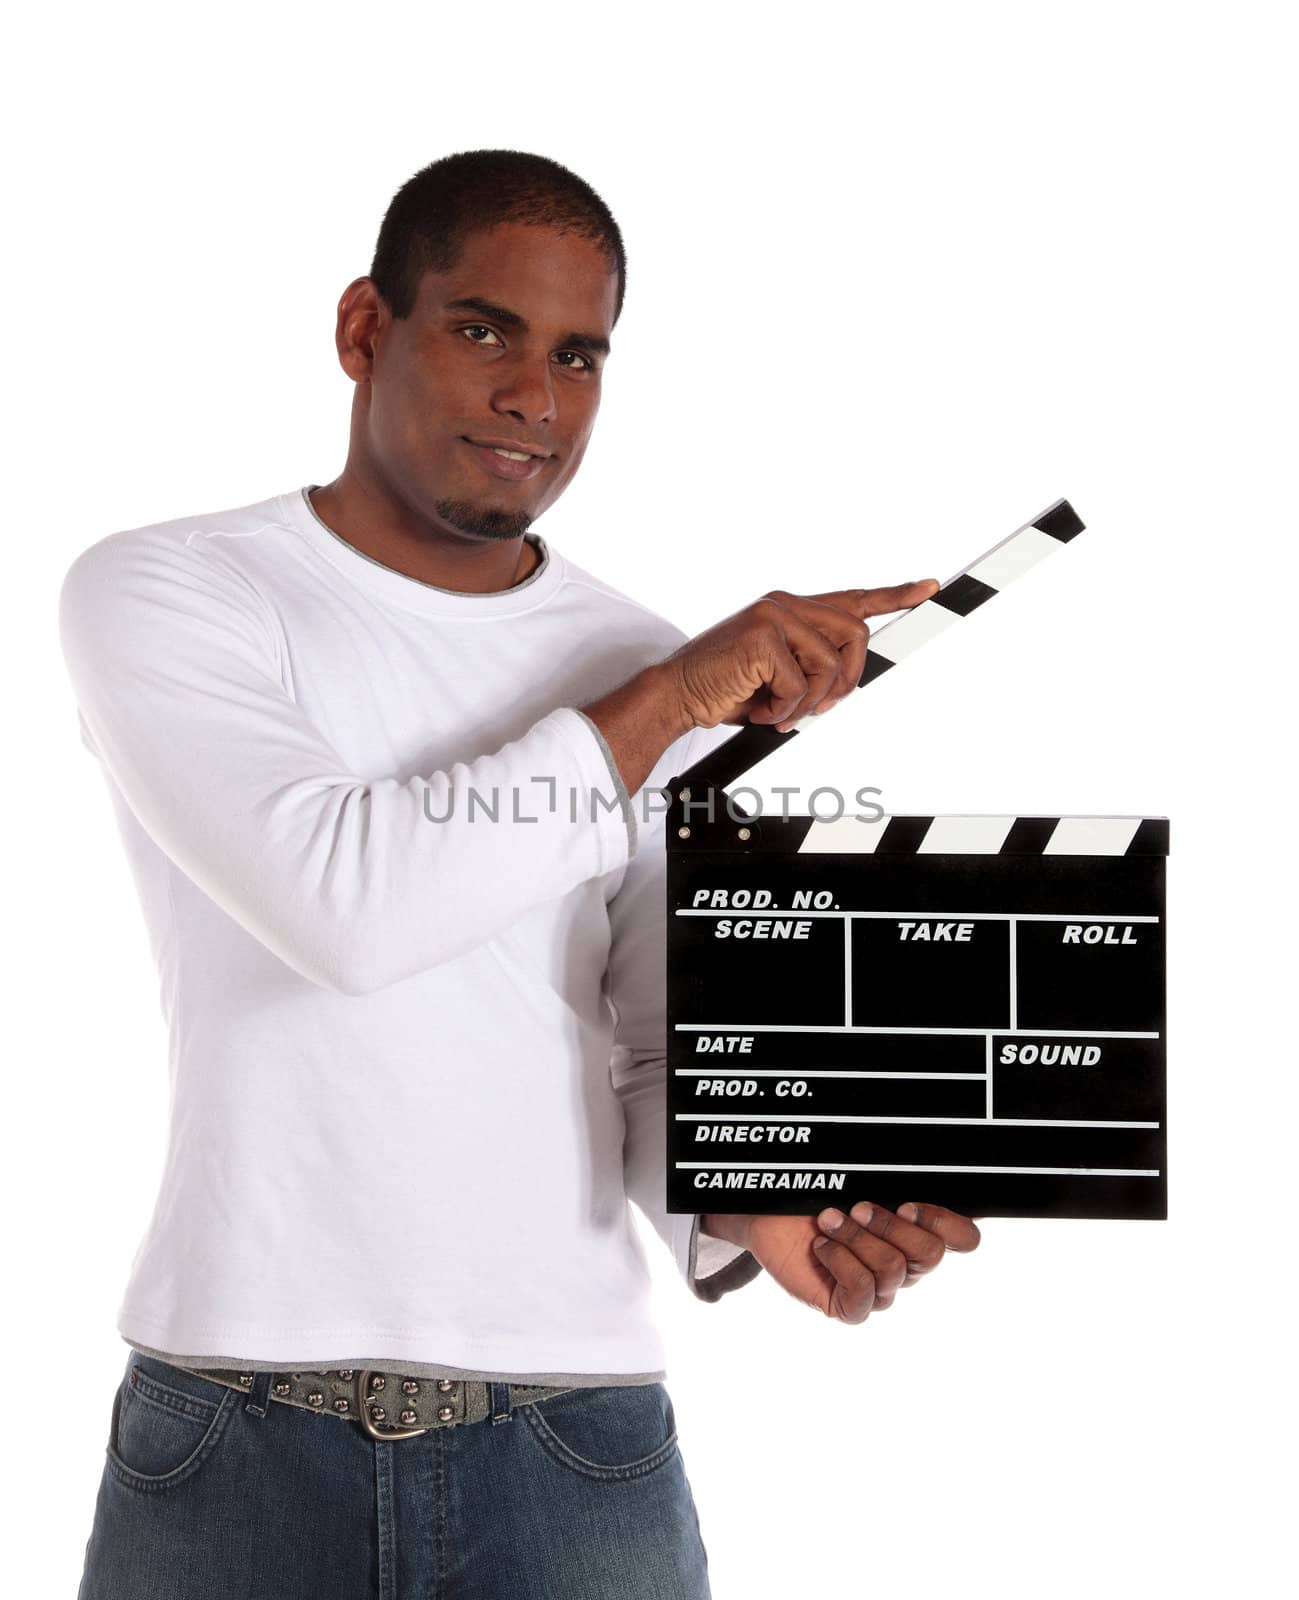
point(374, 748)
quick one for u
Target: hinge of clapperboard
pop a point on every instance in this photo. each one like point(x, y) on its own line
point(701, 815)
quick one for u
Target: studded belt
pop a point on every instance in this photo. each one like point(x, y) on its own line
point(388, 1405)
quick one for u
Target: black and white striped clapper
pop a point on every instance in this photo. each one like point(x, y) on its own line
point(963, 1010)
point(893, 641)
point(969, 589)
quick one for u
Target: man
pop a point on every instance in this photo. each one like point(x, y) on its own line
point(364, 741)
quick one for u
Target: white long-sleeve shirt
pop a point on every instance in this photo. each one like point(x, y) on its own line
point(416, 1055)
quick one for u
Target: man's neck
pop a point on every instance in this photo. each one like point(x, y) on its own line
point(470, 568)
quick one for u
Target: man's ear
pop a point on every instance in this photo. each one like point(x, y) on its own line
point(362, 316)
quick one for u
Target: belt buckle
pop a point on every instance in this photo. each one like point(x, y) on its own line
point(378, 1430)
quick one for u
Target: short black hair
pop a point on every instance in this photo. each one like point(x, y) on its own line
point(430, 217)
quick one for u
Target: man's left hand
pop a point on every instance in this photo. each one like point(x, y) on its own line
point(860, 1264)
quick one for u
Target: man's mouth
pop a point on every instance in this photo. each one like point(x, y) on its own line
point(514, 463)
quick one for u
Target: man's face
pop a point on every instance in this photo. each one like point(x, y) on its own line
point(516, 363)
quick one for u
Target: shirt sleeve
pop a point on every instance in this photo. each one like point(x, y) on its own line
point(637, 990)
point(174, 661)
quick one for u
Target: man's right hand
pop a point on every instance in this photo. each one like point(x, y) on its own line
point(782, 658)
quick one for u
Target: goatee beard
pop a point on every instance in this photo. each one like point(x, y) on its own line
point(485, 522)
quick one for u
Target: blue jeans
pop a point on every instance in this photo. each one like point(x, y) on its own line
point(582, 1495)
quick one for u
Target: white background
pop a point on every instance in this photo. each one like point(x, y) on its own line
point(899, 277)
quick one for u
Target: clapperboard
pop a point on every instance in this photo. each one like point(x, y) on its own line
point(964, 1010)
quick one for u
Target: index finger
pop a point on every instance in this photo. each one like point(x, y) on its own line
point(877, 602)
point(956, 1232)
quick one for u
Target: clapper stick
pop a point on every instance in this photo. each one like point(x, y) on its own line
point(992, 572)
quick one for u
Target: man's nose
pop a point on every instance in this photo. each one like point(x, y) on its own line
point(528, 393)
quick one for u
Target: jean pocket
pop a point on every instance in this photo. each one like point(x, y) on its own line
point(166, 1423)
point(610, 1432)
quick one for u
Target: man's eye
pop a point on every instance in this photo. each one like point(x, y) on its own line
point(587, 365)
